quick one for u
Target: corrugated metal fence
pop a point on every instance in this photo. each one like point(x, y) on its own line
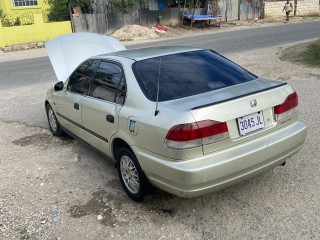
point(107, 23)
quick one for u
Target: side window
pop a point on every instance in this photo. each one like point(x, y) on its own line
point(80, 79)
point(121, 94)
point(109, 83)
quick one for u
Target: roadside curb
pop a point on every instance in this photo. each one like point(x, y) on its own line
point(19, 47)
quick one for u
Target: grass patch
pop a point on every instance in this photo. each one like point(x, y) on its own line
point(304, 53)
point(315, 15)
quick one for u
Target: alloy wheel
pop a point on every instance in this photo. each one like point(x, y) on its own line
point(129, 174)
point(52, 120)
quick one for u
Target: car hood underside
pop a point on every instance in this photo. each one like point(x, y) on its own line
point(68, 51)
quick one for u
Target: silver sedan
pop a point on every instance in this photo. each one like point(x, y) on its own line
point(185, 120)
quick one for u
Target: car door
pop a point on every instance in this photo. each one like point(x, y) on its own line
point(69, 100)
point(101, 108)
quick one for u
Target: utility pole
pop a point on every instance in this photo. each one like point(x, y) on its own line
point(70, 13)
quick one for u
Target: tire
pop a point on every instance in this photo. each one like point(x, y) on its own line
point(54, 125)
point(131, 175)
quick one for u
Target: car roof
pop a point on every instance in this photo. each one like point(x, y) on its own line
point(150, 52)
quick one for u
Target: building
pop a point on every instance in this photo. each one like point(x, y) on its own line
point(25, 21)
point(20, 6)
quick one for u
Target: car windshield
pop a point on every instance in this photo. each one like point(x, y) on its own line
point(186, 74)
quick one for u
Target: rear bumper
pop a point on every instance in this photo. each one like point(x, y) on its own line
point(218, 170)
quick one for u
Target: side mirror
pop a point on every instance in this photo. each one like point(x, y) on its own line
point(58, 86)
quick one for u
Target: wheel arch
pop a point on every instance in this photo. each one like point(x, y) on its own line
point(48, 102)
point(118, 143)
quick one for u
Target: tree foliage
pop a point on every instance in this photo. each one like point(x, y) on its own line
point(59, 9)
point(122, 5)
point(85, 5)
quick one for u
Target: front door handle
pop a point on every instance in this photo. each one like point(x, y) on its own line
point(110, 118)
point(76, 106)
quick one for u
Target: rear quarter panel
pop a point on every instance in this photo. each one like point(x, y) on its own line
point(151, 129)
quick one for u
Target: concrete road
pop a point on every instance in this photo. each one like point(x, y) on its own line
point(244, 40)
point(29, 73)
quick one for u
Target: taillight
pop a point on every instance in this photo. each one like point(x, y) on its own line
point(191, 135)
point(287, 108)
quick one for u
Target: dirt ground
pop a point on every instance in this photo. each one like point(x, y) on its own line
point(59, 188)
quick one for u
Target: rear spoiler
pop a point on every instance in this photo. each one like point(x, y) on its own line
point(248, 88)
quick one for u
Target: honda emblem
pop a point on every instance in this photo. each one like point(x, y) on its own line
point(253, 103)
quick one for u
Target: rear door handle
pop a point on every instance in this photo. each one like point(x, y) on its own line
point(76, 106)
point(110, 118)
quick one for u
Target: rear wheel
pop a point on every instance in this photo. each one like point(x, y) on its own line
point(53, 121)
point(130, 173)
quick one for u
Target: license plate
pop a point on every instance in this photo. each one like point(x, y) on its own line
point(250, 123)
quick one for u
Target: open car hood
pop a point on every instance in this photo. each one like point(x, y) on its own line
point(68, 51)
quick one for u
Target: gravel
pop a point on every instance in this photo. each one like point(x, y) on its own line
point(135, 32)
point(59, 188)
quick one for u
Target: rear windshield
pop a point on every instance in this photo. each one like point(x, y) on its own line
point(186, 74)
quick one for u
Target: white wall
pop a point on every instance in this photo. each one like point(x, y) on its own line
point(304, 7)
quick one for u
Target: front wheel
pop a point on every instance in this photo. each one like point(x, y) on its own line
point(53, 121)
point(130, 174)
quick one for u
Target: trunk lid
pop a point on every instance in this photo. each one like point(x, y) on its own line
point(231, 103)
point(254, 99)
point(222, 95)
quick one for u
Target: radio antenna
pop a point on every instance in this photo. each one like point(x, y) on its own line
point(158, 89)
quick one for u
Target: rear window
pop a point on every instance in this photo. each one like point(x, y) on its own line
point(186, 74)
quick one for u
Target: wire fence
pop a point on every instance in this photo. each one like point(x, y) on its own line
point(17, 19)
point(45, 14)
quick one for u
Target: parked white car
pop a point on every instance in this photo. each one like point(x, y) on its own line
point(186, 120)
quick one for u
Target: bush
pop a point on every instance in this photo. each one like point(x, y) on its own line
point(122, 5)
point(17, 22)
point(305, 53)
point(59, 9)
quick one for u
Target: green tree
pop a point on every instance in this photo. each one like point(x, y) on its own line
point(122, 5)
point(86, 5)
point(59, 9)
